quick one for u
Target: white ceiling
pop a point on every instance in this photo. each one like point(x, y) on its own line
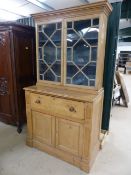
point(16, 9)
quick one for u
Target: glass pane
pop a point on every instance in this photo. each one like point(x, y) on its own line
point(58, 79)
point(42, 39)
point(68, 80)
point(80, 79)
point(50, 52)
point(69, 54)
point(72, 38)
point(81, 26)
point(42, 66)
point(96, 21)
point(69, 25)
point(90, 70)
point(59, 25)
point(41, 77)
point(93, 53)
point(71, 70)
point(81, 53)
point(49, 76)
point(91, 36)
point(39, 27)
point(56, 38)
point(40, 53)
point(56, 68)
point(82, 41)
point(49, 29)
point(92, 83)
point(58, 53)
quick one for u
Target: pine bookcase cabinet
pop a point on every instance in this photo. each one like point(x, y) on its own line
point(64, 108)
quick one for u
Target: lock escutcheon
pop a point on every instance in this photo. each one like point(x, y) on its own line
point(37, 101)
point(72, 109)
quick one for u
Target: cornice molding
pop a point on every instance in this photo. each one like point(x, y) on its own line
point(98, 7)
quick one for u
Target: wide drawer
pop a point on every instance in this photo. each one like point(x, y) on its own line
point(58, 106)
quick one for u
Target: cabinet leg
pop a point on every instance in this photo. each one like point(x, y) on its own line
point(19, 128)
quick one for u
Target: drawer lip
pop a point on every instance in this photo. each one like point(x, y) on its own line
point(55, 110)
point(65, 97)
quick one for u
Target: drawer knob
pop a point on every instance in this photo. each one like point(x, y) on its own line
point(37, 101)
point(72, 109)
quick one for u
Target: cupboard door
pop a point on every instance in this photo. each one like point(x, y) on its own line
point(43, 128)
point(7, 111)
point(69, 136)
point(49, 51)
point(81, 51)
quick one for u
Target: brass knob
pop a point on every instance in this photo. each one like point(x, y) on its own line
point(37, 101)
point(72, 109)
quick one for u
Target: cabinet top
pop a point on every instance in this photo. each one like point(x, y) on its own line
point(98, 7)
point(15, 25)
point(64, 93)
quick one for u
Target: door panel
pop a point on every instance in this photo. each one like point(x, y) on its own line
point(69, 136)
point(43, 127)
point(81, 51)
point(25, 73)
point(6, 85)
point(49, 55)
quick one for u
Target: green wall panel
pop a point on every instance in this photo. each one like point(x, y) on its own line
point(110, 57)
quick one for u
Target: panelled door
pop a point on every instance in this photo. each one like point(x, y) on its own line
point(69, 136)
point(43, 128)
point(6, 84)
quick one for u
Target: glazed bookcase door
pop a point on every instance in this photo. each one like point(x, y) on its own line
point(81, 51)
point(49, 51)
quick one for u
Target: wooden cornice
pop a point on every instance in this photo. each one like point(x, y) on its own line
point(88, 9)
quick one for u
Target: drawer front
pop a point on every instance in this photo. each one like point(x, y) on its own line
point(58, 106)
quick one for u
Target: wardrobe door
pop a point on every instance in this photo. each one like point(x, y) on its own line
point(24, 66)
point(6, 84)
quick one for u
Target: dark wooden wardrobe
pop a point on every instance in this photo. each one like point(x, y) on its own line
point(17, 70)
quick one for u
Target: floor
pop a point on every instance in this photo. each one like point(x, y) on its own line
point(114, 159)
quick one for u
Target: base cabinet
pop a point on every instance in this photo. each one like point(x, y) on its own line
point(73, 139)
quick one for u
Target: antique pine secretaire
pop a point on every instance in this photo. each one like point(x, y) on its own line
point(64, 108)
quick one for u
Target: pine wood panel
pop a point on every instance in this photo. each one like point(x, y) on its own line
point(43, 127)
point(68, 136)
